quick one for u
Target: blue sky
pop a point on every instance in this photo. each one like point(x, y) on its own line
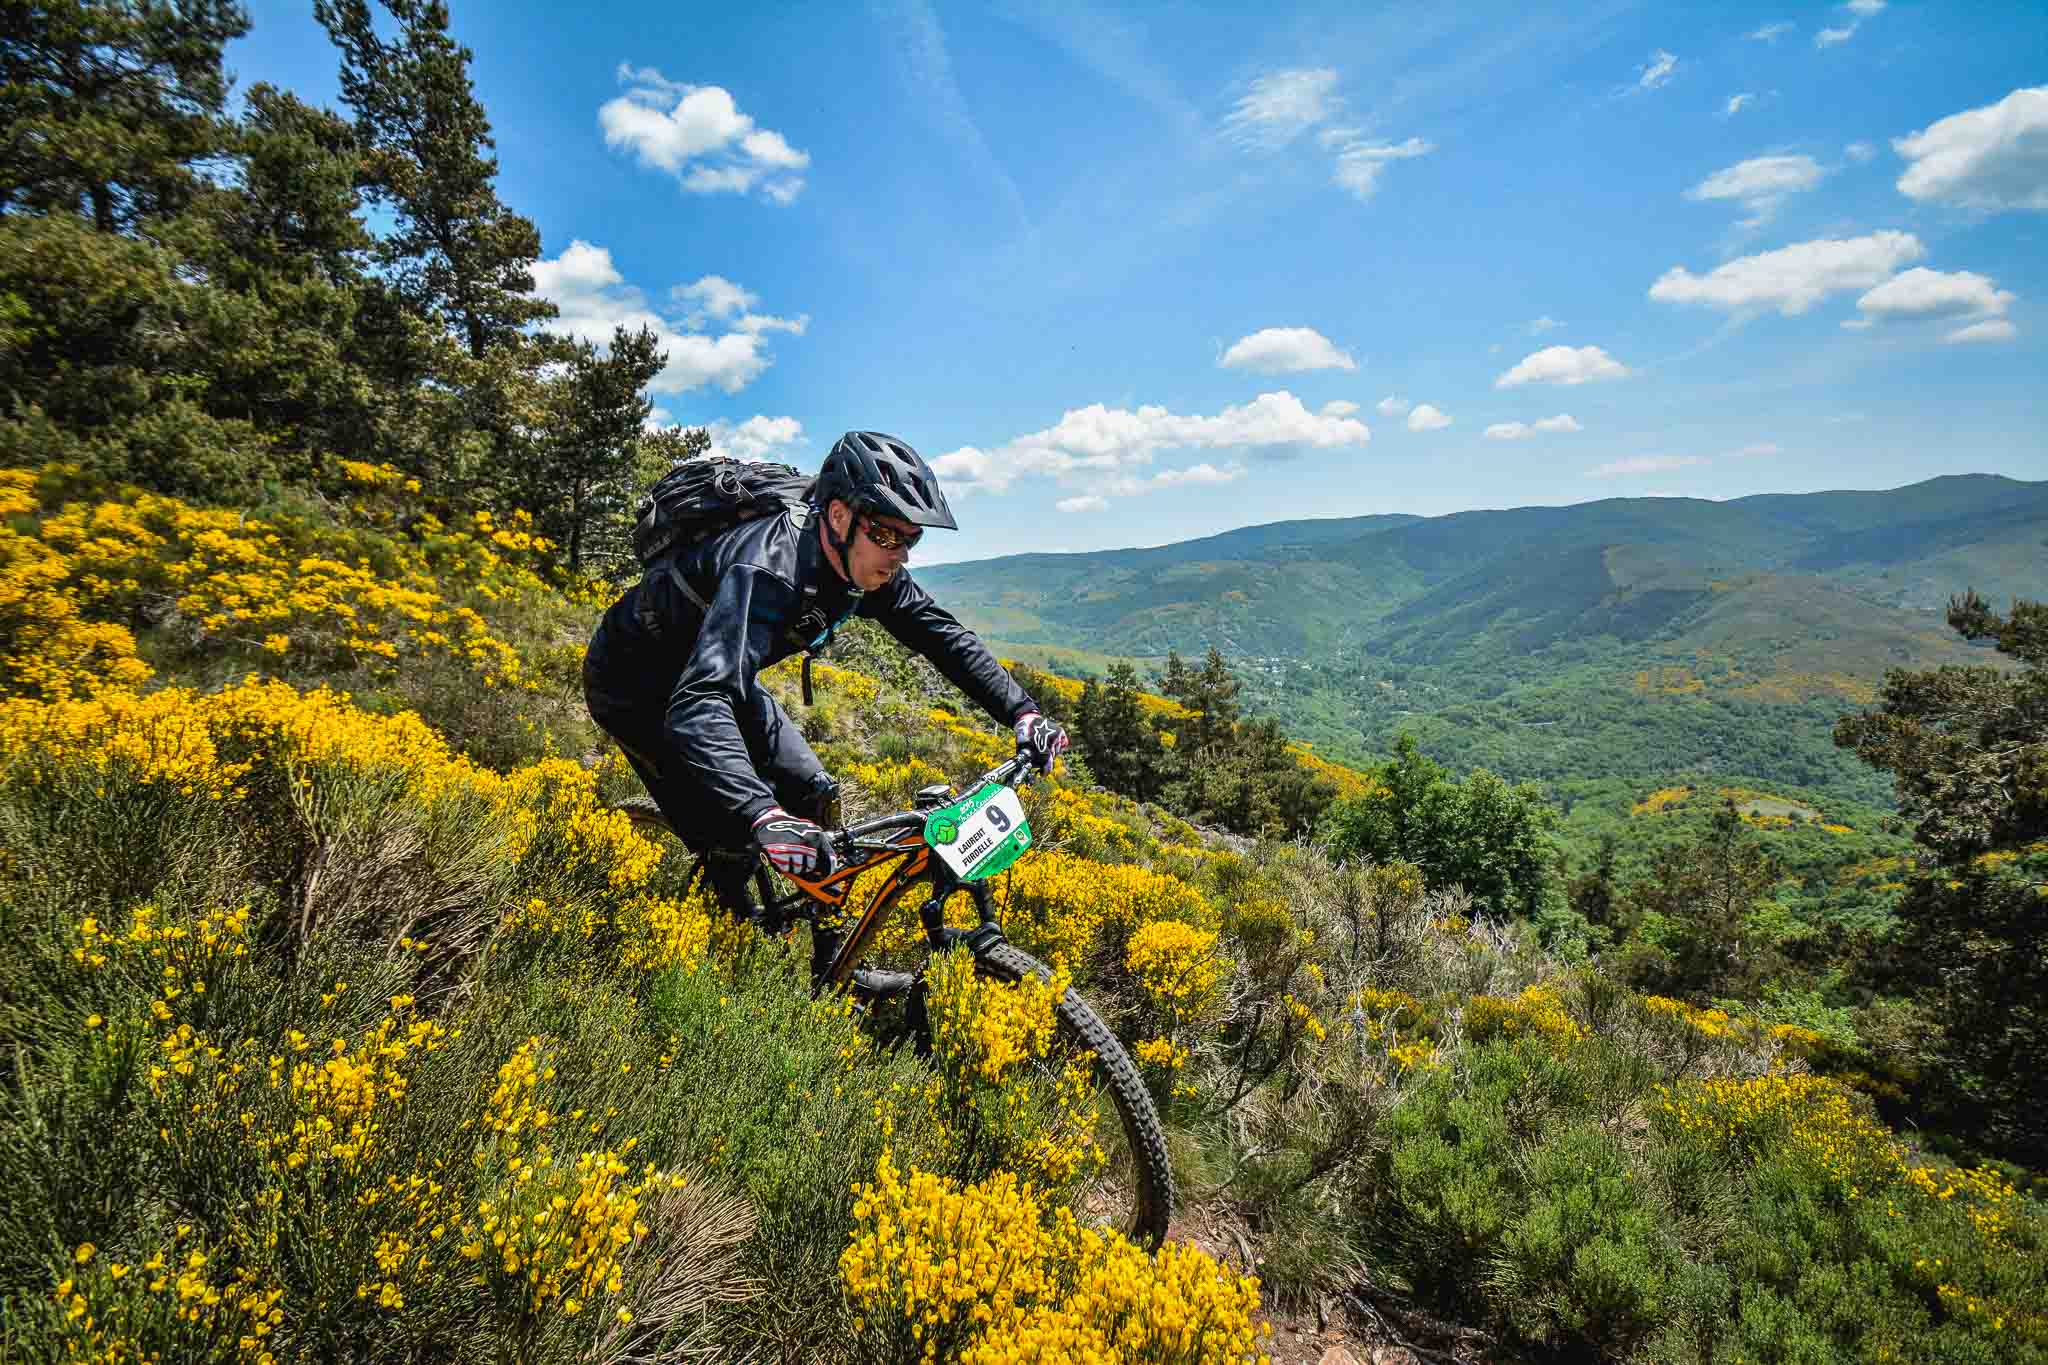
point(1129, 275)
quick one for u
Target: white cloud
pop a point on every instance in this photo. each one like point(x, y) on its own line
point(594, 299)
point(1991, 329)
point(1770, 33)
point(698, 135)
point(1759, 184)
point(1199, 473)
point(1758, 448)
point(1428, 417)
point(1644, 464)
point(1281, 106)
point(1543, 324)
point(1103, 442)
point(1859, 152)
point(1859, 10)
point(1360, 161)
point(716, 296)
point(1204, 473)
point(757, 438)
point(1086, 503)
point(1794, 278)
point(1338, 407)
point(1657, 71)
point(1522, 431)
point(1390, 406)
point(1563, 365)
point(1285, 350)
point(1924, 293)
point(1992, 158)
point(1736, 103)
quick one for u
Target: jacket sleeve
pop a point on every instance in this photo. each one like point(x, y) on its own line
point(908, 612)
point(738, 638)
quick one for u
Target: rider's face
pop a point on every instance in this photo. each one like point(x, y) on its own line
point(869, 565)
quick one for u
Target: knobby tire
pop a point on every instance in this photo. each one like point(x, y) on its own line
point(1144, 1137)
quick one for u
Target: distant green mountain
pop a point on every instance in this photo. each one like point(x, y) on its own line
point(1759, 619)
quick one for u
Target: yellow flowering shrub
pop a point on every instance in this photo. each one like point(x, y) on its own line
point(175, 959)
point(1395, 1025)
point(1820, 1127)
point(267, 742)
point(981, 748)
point(1059, 904)
point(177, 1302)
point(153, 739)
point(892, 784)
point(1349, 783)
point(986, 1273)
point(1537, 1012)
point(1178, 968)
point(1175, 1306)
point(1019, 1100)
point(1305, 1020)
point(302, 1110)
point(1663, 799)
point(1161, 1052)
point(268, 589)
point(555, 1233)
point(51, 650)
point(985, 1029)
point(1072, 817)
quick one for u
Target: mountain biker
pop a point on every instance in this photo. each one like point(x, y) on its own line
point(670, 673)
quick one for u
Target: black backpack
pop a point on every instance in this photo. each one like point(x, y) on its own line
point(700, 498)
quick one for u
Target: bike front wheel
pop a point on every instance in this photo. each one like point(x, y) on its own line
point(1132, 1191)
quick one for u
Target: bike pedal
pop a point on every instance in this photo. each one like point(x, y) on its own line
point(877, 983)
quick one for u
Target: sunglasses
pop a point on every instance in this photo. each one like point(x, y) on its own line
point(888, 537)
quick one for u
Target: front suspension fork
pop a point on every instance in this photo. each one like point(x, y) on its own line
point(942, 937)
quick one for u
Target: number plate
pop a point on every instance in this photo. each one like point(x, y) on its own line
point(980, 834)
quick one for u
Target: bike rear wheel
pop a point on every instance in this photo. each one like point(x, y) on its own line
point(644, 814)
point(1133, 1192)
point(648, 819)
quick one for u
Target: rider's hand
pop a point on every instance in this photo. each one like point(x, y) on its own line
point(797, 847)
point(819, 801)
point(1045, 740)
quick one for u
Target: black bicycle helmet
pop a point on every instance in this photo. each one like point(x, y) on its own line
point(881, 474)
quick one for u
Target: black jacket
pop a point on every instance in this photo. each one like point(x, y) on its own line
point(689, 638)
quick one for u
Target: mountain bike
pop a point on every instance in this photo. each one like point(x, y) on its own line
point(954, 844)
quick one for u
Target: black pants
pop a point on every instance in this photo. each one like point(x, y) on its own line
point(779, 753)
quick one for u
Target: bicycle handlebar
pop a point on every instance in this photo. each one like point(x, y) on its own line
point(1014, 771)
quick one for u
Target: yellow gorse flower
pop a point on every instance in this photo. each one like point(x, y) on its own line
point(985, 1273)
point(1178, 967)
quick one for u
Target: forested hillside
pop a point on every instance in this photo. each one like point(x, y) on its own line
point(1642, 637)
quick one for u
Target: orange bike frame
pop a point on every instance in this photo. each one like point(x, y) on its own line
point(832, 893)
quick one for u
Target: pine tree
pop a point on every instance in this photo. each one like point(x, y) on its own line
point(458, 254)
point(446, 334)
point(1123, 751)
point(580, 486)
point(107, 105)
point(1697, 917)
point(1968, 748)
point(1212, 695)
point(282, 251)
